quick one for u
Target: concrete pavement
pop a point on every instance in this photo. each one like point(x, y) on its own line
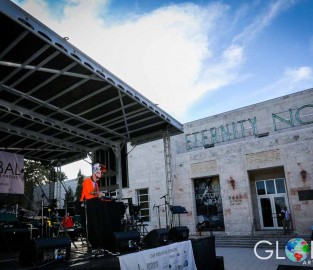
point(245, 259)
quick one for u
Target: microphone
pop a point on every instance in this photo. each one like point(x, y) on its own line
point(163, 196)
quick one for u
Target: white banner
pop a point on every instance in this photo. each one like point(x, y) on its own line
point(174, 256)
point(11, 173)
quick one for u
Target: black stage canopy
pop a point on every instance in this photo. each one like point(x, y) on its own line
point(57, 104)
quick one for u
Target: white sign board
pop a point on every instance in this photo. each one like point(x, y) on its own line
point(11, 173)
point(174, 256)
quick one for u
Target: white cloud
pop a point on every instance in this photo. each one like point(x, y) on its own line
point(299, 74)
point(167, 55)
point(262, 20)
point(173, 55)
point(292, 80)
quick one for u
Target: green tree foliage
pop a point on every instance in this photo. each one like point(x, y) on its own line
point(35, 174)
point(70, 198)
point(57, 176)
point(80, 180)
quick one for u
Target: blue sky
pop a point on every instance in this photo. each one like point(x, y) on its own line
point(193, 58)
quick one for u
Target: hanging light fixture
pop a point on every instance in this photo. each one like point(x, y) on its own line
point(303, 174)
point(232, 182)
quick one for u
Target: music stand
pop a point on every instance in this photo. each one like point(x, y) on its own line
point(178, 210)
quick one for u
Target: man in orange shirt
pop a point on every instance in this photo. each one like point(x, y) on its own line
point(90, 188)
point(91, 216)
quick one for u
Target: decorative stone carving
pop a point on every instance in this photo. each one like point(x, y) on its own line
point(203, 167)
point(263, 157)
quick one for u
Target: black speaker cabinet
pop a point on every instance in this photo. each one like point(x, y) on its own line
point(204, 253)
point(124, 241)
point(38, 251)
point(115, 211)
point(177, 234)
point(156, 238)
point(219, 263)
point(13, 238)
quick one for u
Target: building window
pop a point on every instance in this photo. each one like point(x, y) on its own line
point(143, 202)
point(270, 186)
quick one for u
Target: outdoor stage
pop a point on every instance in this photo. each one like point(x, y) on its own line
point(82, 258)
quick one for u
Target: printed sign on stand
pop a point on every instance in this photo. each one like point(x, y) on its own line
point(174, 256)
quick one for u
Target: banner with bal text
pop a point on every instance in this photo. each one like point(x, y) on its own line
point(11, 173)
point(174, 256)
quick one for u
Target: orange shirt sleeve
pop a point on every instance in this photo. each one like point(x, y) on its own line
point(87, 189)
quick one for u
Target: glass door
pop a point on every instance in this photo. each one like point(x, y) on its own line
point(272, 197)
point(266, 212)
point(280, 202)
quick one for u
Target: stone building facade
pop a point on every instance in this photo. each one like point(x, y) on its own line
point(236, 169)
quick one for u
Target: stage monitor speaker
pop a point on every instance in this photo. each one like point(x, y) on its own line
point(115, 210)
point(156, 238)
point(126, 241)
point(177, 234)
point(13, 238)
point(219, 263)
point(204, 253)
point(42, 250)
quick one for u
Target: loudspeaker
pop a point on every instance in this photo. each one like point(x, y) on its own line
point(126, 240)
point(220, 263)
point(42, 250)
point(116, 210)
point(204, 253)
point(177, 234)
point(156, 238)
point(13, 238)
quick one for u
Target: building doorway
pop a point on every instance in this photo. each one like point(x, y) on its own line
point(271, 199)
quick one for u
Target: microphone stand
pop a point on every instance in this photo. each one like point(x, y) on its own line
point(158, 206)
point(43, 195)
point(165, 203)
point(66, 211)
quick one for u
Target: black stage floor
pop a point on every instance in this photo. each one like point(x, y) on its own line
point(42, 253)
point(80, 258)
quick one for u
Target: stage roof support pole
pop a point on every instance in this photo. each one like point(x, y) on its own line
point(58, 192)
point(168, 172)
point(119, 180)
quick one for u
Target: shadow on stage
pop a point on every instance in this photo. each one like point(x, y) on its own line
point(68, 244)
point(59, 253)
